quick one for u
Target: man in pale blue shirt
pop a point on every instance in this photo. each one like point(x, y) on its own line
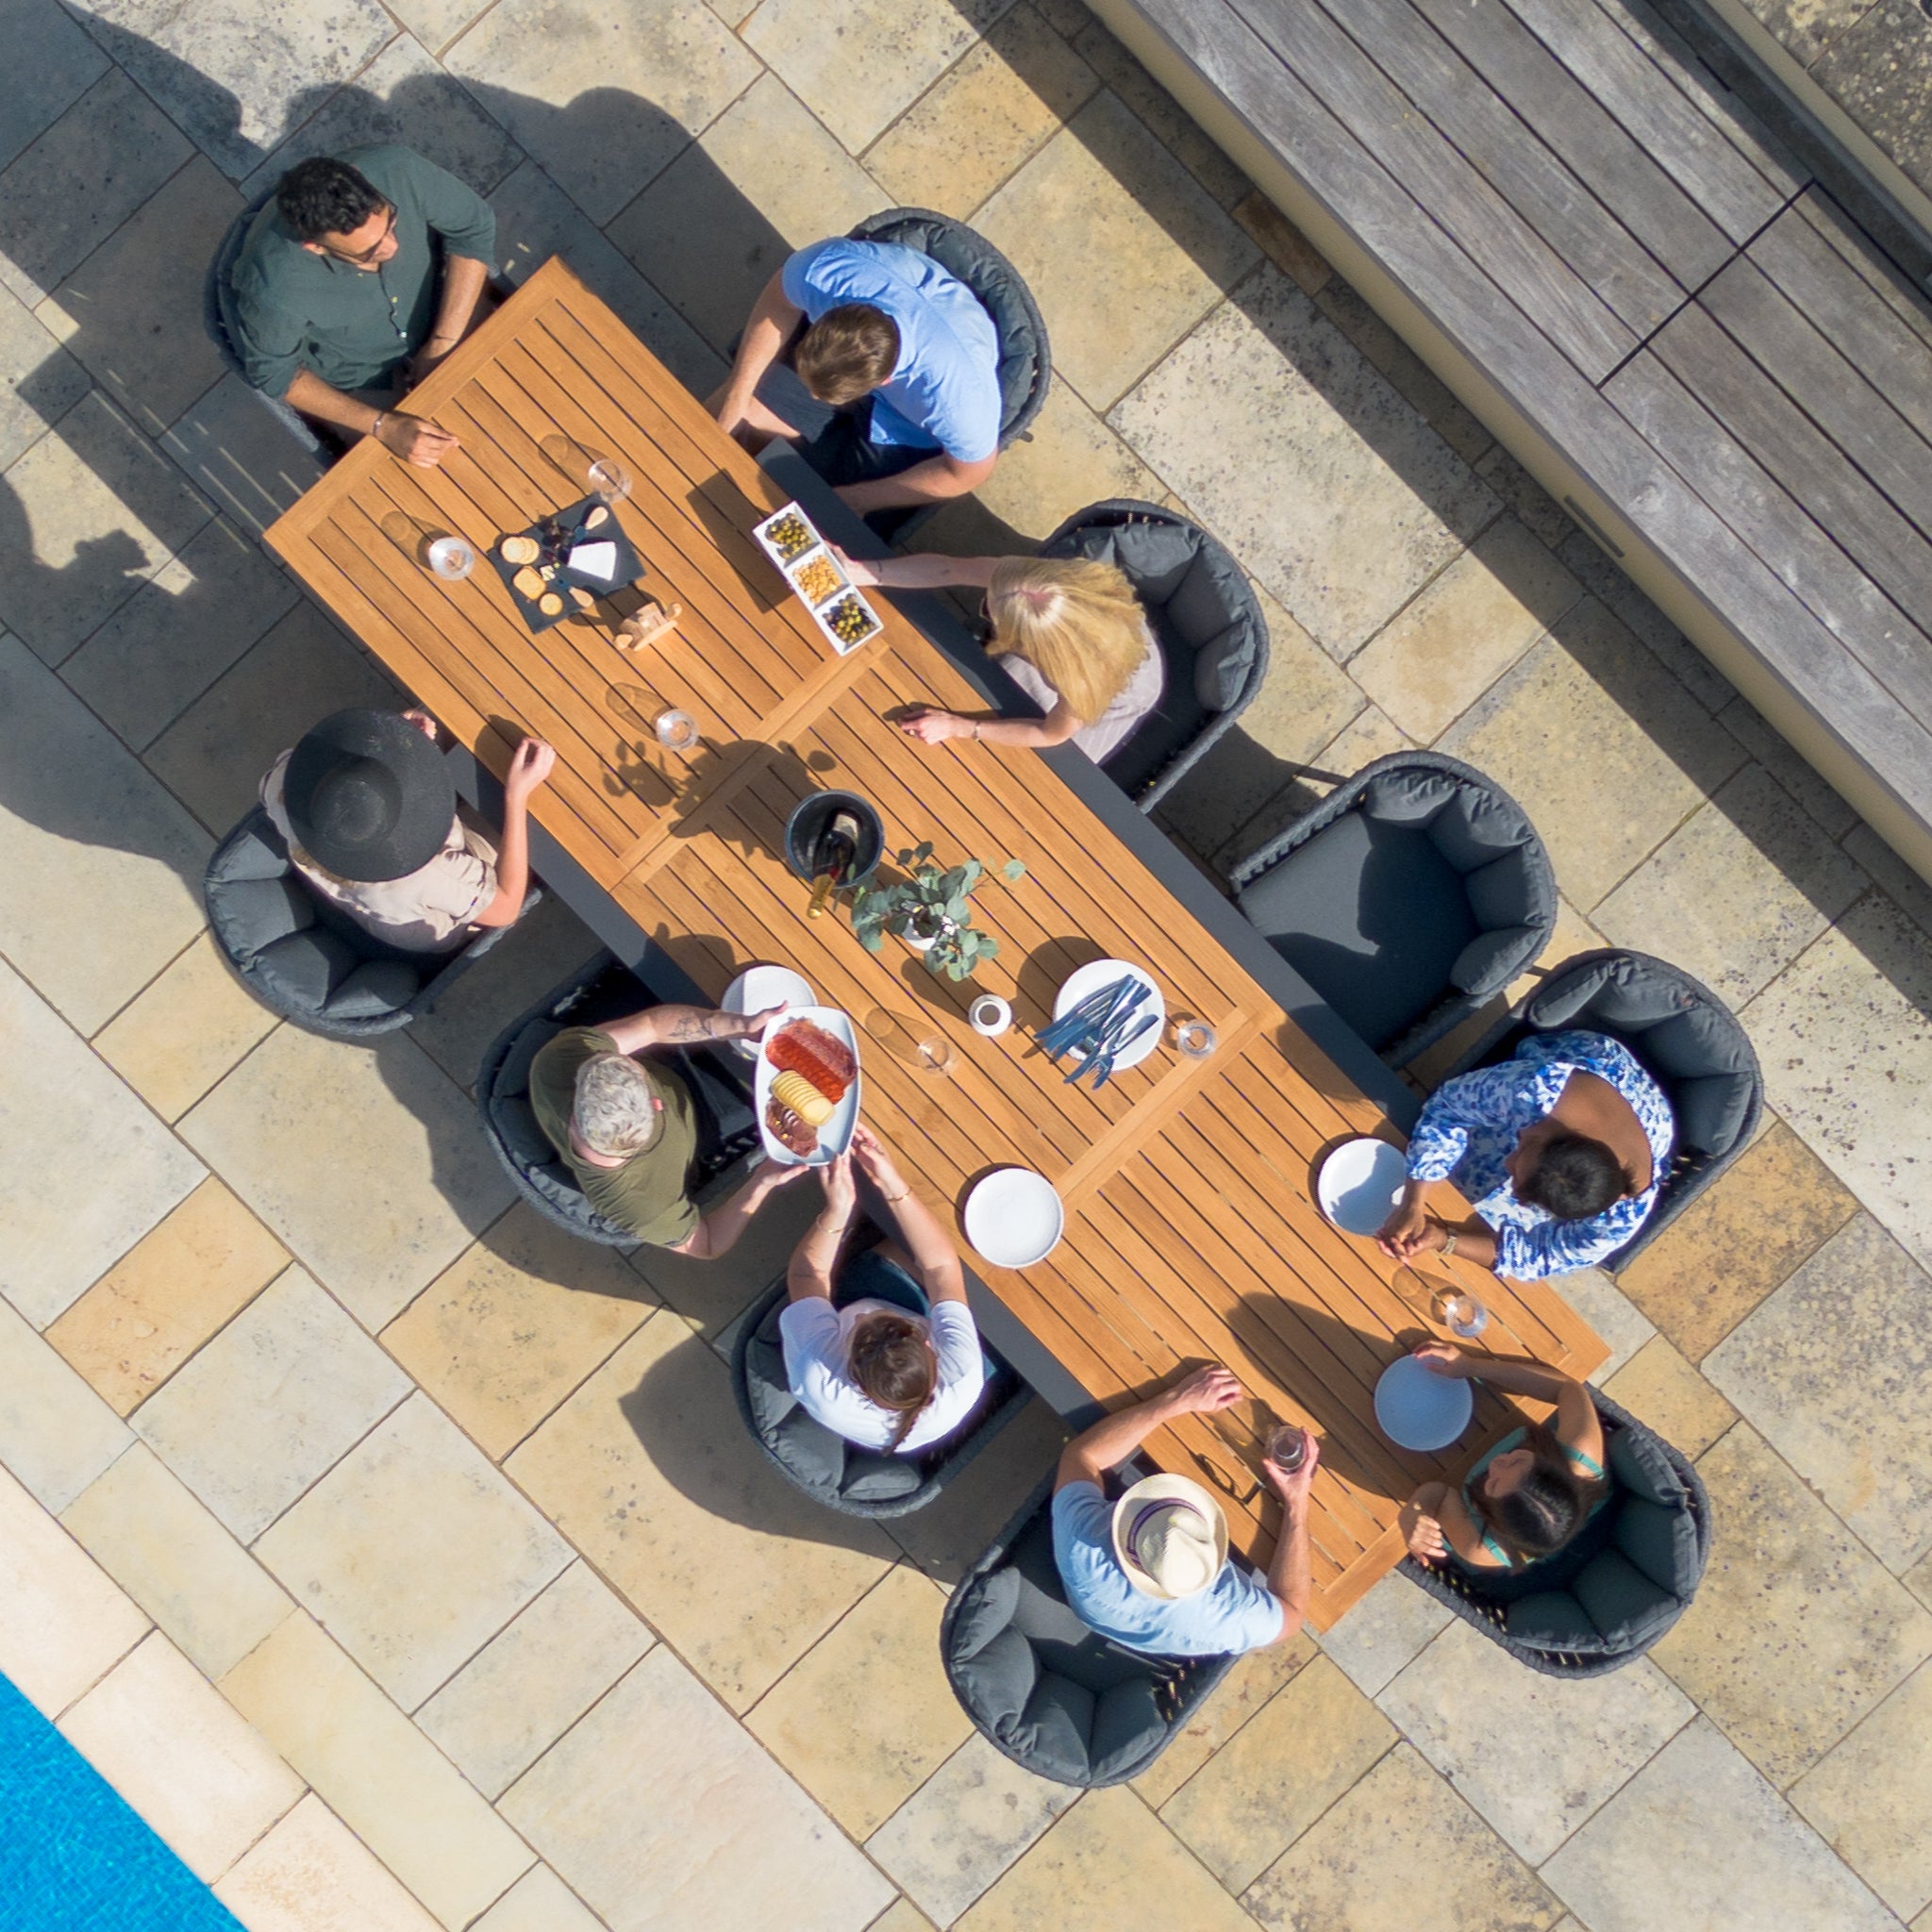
point(891, 390)
point(1151, 1570)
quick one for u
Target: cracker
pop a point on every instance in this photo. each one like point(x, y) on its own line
point(518, 550)
point(527, 583)
point(550, 604)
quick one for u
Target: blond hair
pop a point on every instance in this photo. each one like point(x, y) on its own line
point(613, 1108)
point(1076, 621)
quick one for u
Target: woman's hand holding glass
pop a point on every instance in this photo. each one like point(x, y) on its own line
point(841, 1189)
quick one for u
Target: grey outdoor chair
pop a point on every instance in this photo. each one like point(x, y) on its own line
point(1039, 1686)
point(306, 959)
point(1407, 897)
point(831, 1470)
point(215, 319)
point(728, 1138)
point(1206, 620)
point(1684, 1037)
point(1613, 1590)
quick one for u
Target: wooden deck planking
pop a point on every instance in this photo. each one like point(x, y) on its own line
point(1650, 100)
point(1882, 641)
point(1186, 1234)
point(1530, 273)
point(1522, 147)
point(1832, 391)
point(1767, 422)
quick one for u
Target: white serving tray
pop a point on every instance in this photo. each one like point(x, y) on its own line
point(835, 1137)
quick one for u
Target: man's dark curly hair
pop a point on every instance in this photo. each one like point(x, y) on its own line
point(324, 196)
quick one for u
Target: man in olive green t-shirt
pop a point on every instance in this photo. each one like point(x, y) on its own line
point(626, 1127)
point(361, 272)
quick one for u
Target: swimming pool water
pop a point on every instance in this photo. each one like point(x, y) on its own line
point(74, 1856)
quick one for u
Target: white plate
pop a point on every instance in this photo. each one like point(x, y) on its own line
point(1014, 1218)
point(758, 986)
point(1419, 1409)
point(1361, 1183)
point(836, 1135)
point(1090, 979)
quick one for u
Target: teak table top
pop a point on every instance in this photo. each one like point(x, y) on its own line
point(1190, 1230)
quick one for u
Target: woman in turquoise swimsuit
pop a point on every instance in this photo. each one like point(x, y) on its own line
point(1532, 1493)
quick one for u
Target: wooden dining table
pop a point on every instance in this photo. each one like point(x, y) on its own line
point(1192, 1231)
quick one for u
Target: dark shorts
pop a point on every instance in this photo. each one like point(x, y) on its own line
point(835, 444)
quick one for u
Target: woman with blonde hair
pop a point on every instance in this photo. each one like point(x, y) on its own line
point(1069, 631)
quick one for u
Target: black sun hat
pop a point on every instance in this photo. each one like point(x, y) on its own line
point(368, 798)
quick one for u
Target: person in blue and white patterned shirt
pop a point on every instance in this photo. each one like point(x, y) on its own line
point(1561, 1148)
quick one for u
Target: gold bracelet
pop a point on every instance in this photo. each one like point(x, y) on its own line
point(894, 1200)
point(975, 731)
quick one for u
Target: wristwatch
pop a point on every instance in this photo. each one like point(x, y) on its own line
point(1448, 1242)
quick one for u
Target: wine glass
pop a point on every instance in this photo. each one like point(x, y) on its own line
point(452, 558)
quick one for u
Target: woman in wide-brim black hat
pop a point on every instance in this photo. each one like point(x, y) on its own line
point(369, 811)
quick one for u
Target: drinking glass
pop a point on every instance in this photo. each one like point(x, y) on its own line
point(608, 478)
point(910, 1041)
point(1458, 1311)
point(1194, 1038)
point(676, 730)
point(452, 558)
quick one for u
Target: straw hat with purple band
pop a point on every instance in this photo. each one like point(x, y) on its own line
point(1170, 1536)
point(369, 796)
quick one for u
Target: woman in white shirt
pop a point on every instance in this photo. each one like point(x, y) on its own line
point(890, 1358)
point(1069, 631)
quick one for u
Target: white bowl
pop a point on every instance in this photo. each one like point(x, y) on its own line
point(758, 986)
point(1014, 1218)
point(1419, 1409)
point(1361, 1183)
point(1091, 978)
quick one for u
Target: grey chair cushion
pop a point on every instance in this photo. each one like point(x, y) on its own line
point(1555, 1619)
point(998, 1678)
point(375, 987)
point(1126, 1725)
point(250, 914)
point(302, 968)
point(1505, 893)
point(1371, 915)
point(985, 1608)
point(1491, 959)
point(1627, 1608)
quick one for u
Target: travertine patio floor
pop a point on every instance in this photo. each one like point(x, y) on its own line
point(404, 1562)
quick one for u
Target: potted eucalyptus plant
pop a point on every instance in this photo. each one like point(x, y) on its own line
point(931, 910)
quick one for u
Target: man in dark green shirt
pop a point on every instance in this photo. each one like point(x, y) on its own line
point(341, 299)
point(625, 1126)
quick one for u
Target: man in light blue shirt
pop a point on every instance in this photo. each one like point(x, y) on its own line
point(1151, 1570)
point(893, 389)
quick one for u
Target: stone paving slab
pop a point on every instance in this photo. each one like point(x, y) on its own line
point(175, 1748)
point(288, 1387)
point(638, 1831)
point(1699, 1838)
point(154, 1535)
point(64, 1624)
point(311, 1873)
point(412, 1552)
point(534, 1680)
point(377, 1771)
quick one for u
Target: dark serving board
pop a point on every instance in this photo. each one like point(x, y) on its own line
point(629, 567)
